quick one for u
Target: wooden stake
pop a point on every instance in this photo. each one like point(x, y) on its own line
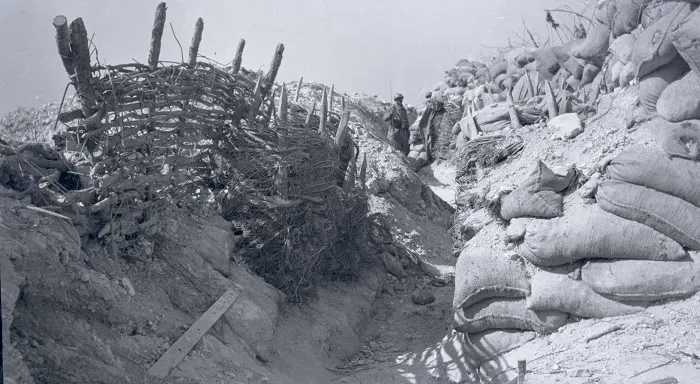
point(156, 36)
point(80, 54)
point(282, 114)
point(63, 42)
point(274, 67)
point(521, 371)
point(363, 170)
point(512, 112)
point(307, 123)
point(323, 111)
point(342, 126)
point(187, 341)
point(238, 59)
point(342, 103)
point(255, 106)
point(330, 99)
point(271, 107)
point(296, 97)
point(196, 39)
point(350, 182)
point(551, 100)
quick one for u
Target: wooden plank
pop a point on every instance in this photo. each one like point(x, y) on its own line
point(187, 341)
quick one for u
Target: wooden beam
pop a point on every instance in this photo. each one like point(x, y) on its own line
point(156, 36)
point(330, 98)
point(342, 126)
point(307, 123)
point(512, 112)
point(196, 39)
point(189, 339)
point(238, 59)
point(551, 100)
point(363, 170)
point(282, 112)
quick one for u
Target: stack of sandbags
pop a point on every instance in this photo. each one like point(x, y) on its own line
point(538, 196)
point(418, 156)
point(490, 294)
point(653, 188)
point(652, 85)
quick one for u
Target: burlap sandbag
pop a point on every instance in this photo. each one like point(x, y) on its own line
point(524, 59)
point(500, 79)
point(670, 215)
point(656, 10)
point(651, 167)
point(523, 203)
point(653, 47)
point(605, 12)
point(681, 99)
point(596, 44)
point(615, 72)
point(686, 39)
point(547, 63)
point(492, 113)
point(595, 233)
point(497, 69)
point(652, 85)
point(681, 140)
point(643, 280)
point(590, 71)
point(555, 292)
point(501, 313)
point(622, 47)
point(541, 178)
point(495, 126)
point(626, 74)
point(484, 346)
point(627, 16)
point(574, 66)
point(482, 274)
point(573, 83)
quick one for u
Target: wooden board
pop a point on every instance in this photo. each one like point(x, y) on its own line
point(187, 341)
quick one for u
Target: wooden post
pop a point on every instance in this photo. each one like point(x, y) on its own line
point(63, 42)
point(196, 39)
point(296, 96)
point(363, 170)
point(282, 114)
point(80, 54)
point(255, 106)
point(187, 341)
point(342, 103)
point(551, 100)
point(307, 123)
point(238, 59)
point(330, 99)
point(512, 112)
point(156, 36)
point(350, 182)
point(271, 107)
point(521, 371)
point(274, 67)
point(342, 126)
point(323, 111)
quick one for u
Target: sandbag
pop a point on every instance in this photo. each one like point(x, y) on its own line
point(563, 52)
point(573, 82)
point(541, 178)
point(521, 90)
point(627, 16)
point(590, 71)
point(555, 292)
point(670, 215)
point(655, 10)
point(492, 113)
point(509, 82)
point(484, 346)
point(681, 99)
point(652, 168)
point(653, 47)
point(528, 114)
point(500, 313)
point(596, 43)
point(686, 39)
point(643, 280)
point(626, 74)
point(595, 233)
point(605, 12)
point(574, 66)
point(652, 85)
point(481, 274)
point(681, 140)
point(622, 47)
point(500, 79)
point(547, 63)
point(523, 203)
point(615, 71)
point(524, 59)
point(497, 69)
point(495, 126)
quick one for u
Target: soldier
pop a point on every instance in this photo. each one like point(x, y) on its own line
point(398, 127)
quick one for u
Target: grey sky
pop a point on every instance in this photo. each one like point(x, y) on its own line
point(359, 45)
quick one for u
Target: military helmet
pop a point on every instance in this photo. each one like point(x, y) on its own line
point(398, 96)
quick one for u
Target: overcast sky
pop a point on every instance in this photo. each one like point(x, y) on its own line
point(358, 45)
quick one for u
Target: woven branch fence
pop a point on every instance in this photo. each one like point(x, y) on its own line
point(148, 136)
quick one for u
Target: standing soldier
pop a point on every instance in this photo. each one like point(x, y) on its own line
point(398, 127)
